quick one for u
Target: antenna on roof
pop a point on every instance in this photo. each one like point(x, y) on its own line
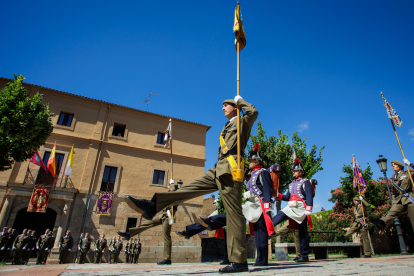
point(147, 100)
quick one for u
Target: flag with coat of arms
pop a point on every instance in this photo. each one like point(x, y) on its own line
point(392, 113)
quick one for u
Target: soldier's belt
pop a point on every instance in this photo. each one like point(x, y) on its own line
point(230, 152)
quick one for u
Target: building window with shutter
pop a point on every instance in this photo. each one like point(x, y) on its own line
point(158, 177)
point(65, 119)
point(108, 179)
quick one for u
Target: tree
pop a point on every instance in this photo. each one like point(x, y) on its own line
point(278, 150)
point(25, 123)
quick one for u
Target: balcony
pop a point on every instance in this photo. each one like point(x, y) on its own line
point(37, 176)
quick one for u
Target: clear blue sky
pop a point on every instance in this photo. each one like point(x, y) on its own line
point(311, 66)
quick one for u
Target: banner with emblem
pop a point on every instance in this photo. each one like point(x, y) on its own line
point(40, 198)
point(359, 182)
point(104, 203)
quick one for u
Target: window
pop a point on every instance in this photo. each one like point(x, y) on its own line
point(131, 223)
point(46, 178)
point(158, 177)
point(160, 138)
point(65, 119)
point(118, 130)
point(108, 179)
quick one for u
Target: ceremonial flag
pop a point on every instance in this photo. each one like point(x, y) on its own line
point(68, 170)
point(168, 134)
point(40, 198)
point(238, 29)
point(392, 113)
point(293, 154)
point(359, 182)
point(51, 165)
point(36, 159)
point(104, 203)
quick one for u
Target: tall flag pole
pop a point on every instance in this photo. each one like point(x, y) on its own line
point(168, 139)
point(51, 166)
point(240, 41)
point(360, 182)
point(395, 119)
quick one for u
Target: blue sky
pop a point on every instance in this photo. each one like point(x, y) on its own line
point(316, 67)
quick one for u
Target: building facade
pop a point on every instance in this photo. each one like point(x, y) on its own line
point(117, 149)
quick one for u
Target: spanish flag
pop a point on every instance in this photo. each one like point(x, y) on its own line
point(238, 29)
point(51, 165)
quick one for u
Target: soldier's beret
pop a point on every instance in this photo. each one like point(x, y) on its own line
point(357, 198)
point(230, 101)
point(397, 163)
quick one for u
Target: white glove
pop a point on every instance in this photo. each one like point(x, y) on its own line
point(237, 98)
point(47, 249)
point(69, 249)
point(8, 248)
point(33, 248)
point(103, 251)
point(78, 248)
point(59, 245)
point(24, 247)
point(88, 252)
point(2, 248)
point(37, 247)
point(407, 162)
point(13, 248)
point(308, 213)
point(360, 197)
point(96, 249)
point(171, 181)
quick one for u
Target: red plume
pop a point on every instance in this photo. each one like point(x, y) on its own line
point(296, 160)
point(256, 147)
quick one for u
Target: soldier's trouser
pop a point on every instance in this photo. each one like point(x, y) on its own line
point(40, 256)
point(111, 257)
point(261, 238)
point(6, 255)
point(62, 255)
point(285, 229)
point(82, 256)
point(396, 211)
point(45, 255)
point(136, 258)
point(17, 256)
point(26, 256)
point(98, 257)
point(127, 258)
point(231, 195)
point(116, 257)
point(357, 227)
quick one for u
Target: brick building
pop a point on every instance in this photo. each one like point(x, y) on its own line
point(118, 149)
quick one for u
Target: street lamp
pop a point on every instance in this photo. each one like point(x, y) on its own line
point(382, 163)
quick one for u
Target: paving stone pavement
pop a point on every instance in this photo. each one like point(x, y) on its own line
point(398, 265)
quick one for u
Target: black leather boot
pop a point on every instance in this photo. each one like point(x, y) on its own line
point(235, 267)
point(379, 223)
point(164, 262)
point(144, 207)
point(125, 235)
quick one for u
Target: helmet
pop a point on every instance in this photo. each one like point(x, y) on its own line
point(254, 154)
point(297, 165)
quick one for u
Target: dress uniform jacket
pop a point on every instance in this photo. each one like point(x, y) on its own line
point(20, 247)
point(112, 249)
point(66, 243)
point(4, 236)
point(100, 246)
point(137, 251)
point(29, 247)
point(44, 244)
point(9, 245)
point(85, 246)
point(360, 211)
point(400, 203)
point(220, 178)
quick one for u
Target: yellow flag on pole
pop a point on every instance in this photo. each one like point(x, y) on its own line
point(238, 29)
point(69, 166)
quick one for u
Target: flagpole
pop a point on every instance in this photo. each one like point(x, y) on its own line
point(238, 109)
point(396, 135)
point(172, 171)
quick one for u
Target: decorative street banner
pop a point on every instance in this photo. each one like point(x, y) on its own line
point(40, 198)
point(104, 203)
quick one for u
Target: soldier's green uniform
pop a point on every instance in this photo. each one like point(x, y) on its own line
point(284, 230)
point(118, 249)
point(220, 178)
point(137, 251)
point(100, 246)
point(400, 203)
point(20, 247)
point(84, 245)
point(65, 245)
point(127, 255)
point(29, 247)
point(161, 218)
point(112, 249)
point(358, 227)
point(4, 236)
point(9, 245)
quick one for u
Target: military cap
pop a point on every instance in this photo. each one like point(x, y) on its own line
point(397, 163)
point(229, 101)
point(69, 231)
point(47, 229)
point(357, 198)
point(5, 228)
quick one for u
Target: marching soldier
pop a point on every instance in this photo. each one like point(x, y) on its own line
point(284, 230)
point(299, 209)
point(224, 176)
point(42, 245)
point(19, 247)
point(118, 249)
point(50, 243)
point(4, 236)
point(137, 251)
point(29, 247)
point(100, 246)
point(9, 244)
point(128, 251)
point(65, 246)
point(162, 218)
point(111, 248)
point(359, 225)
point(402, 198)
point(84, 247)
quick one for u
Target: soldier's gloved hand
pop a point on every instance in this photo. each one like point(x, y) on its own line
point(24, 247)
point(236, 99)
point(308, 210)
point(8, 248)
point(360, 197)
point(407, 162)
point(88, 252)
point(78, 248)
point(13, 248)
point(171, 181)
point(59, 245)
point(37, 247)
point(69, 249)
point(103, 251)
point(308, 213)
point(33, 248)
point(2, 248)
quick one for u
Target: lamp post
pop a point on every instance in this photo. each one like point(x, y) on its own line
point(382, 163)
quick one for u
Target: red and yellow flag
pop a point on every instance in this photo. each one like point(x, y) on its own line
point(238, 29)
point(51, 165)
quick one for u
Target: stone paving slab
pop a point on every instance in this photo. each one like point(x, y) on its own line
point(398, 265)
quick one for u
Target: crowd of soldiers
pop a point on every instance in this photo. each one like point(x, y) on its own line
point(20, 247)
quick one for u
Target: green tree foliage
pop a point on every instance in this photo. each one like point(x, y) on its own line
point(25, 123)
point(278, 150)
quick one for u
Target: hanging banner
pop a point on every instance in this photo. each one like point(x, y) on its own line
point(104, 203)
point(40, 198)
